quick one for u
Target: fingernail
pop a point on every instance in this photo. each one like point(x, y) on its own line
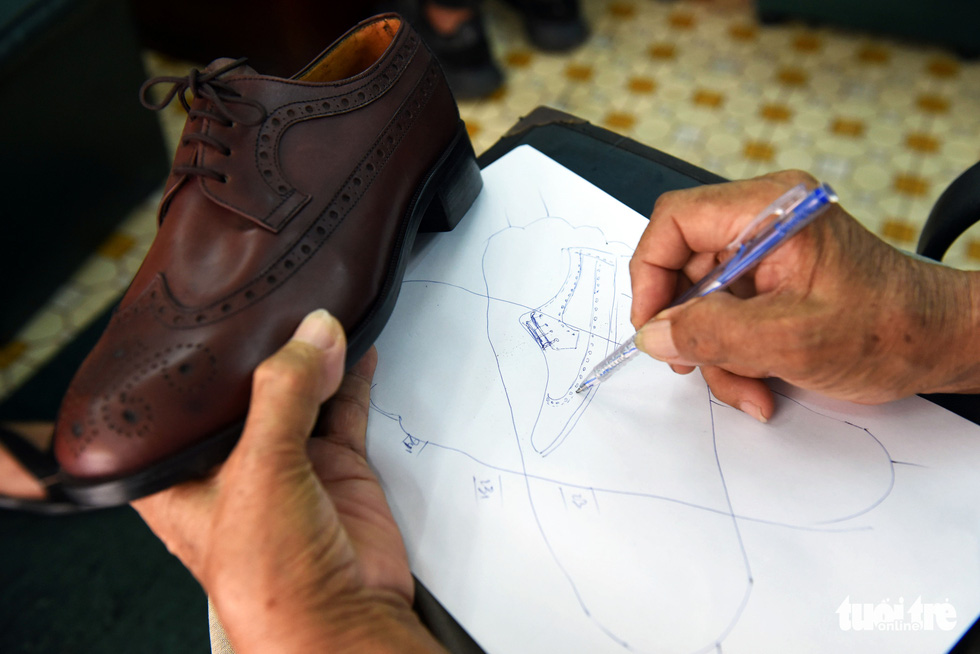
point(319, 329)
point(655, 339)
point(753, 410)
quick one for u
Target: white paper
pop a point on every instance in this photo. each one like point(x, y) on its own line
point(645, 516)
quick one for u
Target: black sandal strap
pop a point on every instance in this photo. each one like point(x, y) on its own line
point(44, 468)
point(40, 464)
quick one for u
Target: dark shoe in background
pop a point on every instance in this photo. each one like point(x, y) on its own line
point(286, 195)
point(553, 25)
point(465, 55)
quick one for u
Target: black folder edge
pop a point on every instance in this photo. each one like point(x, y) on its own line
point(633, 173)
point(636, 175)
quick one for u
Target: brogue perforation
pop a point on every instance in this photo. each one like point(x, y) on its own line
point(167, 309)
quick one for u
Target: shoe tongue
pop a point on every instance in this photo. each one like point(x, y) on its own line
point(220, 63)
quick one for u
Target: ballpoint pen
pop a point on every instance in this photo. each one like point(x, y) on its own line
point(775, 225)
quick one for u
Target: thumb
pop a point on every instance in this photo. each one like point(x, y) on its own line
point(289, 387)
point(740, 335)
point(721, 335)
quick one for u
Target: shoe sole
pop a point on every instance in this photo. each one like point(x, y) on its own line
point(440, 202)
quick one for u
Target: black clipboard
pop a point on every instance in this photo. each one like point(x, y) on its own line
point(636, 175)
point(633, 173)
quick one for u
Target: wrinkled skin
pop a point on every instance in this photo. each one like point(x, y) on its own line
point(292, 537)
point(834, 310)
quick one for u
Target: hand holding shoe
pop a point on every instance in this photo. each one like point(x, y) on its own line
point(835, 310)
point(286, 194)
point(292, 537)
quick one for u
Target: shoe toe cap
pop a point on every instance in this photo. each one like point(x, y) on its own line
point(130, 406)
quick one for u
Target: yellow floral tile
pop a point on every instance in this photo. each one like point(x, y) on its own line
point(473, 128)
point(620, 121)
point(924, 143)
point(116, 246)
point(498, 95)
point(876, 55)
point(932, 103)
point(579, 72)
point(807, 43)
point(743, 32)
point(899, 230)
point(910, 184)
point(11, 352)
point(642, 85)
point(792, 76)
point(708, 98)
point(518, 58)
point(759, 151)
point(889, 123)
point(973, 250)
point(662, 51)
point(774, 112)
point(682, 20)
point(848, 127)
point(622, 10)
point(943, 67)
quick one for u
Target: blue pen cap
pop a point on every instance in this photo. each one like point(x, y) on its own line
point(818, 197)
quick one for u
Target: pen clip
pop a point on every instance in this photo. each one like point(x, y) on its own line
point(780, 208)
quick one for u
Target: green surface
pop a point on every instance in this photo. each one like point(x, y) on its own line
point(951, 23)
point(93, 583)
point(10, 10)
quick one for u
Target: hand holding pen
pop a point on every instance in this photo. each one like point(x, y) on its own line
point(767, 232)
point(834, 310)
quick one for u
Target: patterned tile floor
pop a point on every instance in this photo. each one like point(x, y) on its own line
point(888, 123)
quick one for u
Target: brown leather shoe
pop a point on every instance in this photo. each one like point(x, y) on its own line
point(286, 195)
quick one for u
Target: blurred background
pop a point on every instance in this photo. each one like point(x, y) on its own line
point(879, 98)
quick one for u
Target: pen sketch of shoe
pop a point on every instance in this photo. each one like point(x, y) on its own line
point(836, 474)
point(544, 354)
point(586, 496)
point(573, 330)
point(700, 567)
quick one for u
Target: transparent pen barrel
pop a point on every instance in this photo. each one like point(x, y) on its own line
point(620, 355)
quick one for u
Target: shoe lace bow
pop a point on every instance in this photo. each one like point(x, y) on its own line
point(219, 95)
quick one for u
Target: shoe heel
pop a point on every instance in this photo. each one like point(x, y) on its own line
point(459, 184)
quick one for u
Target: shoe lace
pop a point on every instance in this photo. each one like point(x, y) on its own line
point(219, 95)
